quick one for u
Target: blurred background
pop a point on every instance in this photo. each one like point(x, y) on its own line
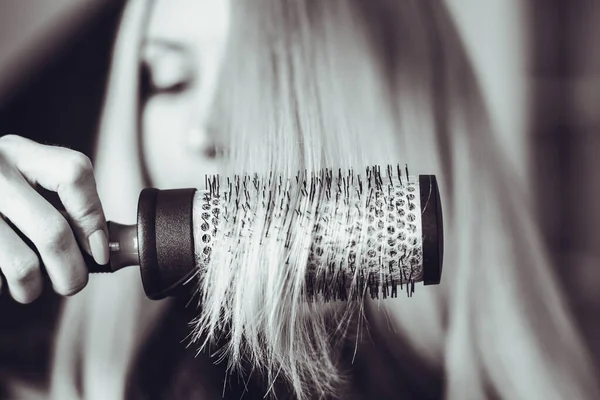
point(537, 61)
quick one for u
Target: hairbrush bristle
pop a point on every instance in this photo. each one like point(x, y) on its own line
point(365, 231)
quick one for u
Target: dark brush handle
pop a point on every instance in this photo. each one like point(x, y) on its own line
point(123, 250)
point(161, 242)
point(92, 266)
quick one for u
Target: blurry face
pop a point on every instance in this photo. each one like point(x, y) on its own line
point(182, 55)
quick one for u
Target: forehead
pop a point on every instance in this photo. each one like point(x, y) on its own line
point(189, 21)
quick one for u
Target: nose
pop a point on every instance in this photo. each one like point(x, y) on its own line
point(201, 142)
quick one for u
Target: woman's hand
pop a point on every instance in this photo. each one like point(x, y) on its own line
point(24, 164)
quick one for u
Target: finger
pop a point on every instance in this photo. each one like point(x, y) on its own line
point(20, 266)
point(47, 229)
point(71, 175)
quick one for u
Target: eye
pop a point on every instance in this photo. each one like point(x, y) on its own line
point(167, 74)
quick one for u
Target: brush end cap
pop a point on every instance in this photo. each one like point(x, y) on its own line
point(432, 229)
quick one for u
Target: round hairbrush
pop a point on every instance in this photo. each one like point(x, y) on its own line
point(379, 231)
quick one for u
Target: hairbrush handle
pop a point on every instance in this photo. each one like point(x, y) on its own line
point(161, 242)
point(123, 246)
point(123, 249)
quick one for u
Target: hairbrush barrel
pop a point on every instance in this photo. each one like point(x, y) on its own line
point(376, 232)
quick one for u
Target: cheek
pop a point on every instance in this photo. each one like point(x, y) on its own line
point(163, 127)
point(165, 118)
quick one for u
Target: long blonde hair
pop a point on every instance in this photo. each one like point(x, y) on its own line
point(314, 84)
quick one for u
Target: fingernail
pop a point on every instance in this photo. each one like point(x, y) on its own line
point(99, 247)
